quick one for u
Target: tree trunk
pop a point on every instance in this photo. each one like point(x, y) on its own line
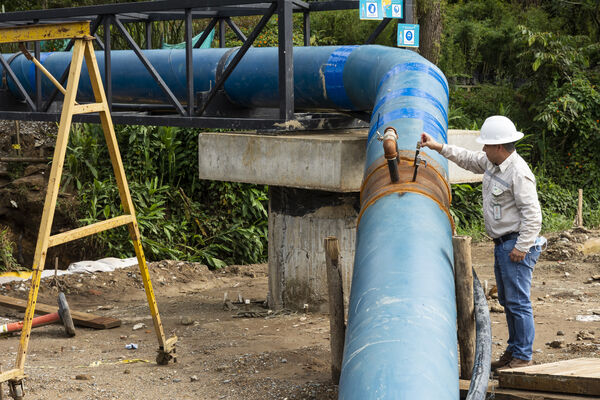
point(429, 18)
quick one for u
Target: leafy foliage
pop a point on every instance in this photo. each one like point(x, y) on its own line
point(179, 215)
point(7, 261)
point(344, 27)
point(539, 64)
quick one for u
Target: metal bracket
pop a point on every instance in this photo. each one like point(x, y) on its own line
point(16, 389)
point(167, 352)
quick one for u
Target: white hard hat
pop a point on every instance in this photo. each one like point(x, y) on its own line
point(498, 130)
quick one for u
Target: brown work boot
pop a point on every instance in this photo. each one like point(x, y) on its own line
point(502, 361)
point(516, 363)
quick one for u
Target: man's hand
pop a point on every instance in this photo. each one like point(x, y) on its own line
point(428, 141)
point(517, 255)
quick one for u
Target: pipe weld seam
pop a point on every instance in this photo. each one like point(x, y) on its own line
point(429, 183)
point(407, 157)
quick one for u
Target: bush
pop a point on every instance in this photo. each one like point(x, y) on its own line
point(470, 106)
point(466, 206)
point(179, 215)
point(7, 260)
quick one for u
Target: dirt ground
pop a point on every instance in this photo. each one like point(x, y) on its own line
point(231, 351)
point(248, 352)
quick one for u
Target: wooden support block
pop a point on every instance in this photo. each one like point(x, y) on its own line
point(465, 307)
point(79, 318)
point(496, 393)
point(578, 376)
point(337, 324)
point(579, 221)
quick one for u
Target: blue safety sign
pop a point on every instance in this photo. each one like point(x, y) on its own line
point(371, 9)
point(408, 35)
point(393, 8)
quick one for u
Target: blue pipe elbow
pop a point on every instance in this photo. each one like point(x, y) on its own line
point(401, 337)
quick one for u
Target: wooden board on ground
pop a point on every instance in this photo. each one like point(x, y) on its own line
point(515, 394)
point(79, 318)
point(578, 376)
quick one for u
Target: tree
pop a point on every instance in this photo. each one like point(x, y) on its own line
point(429, 18)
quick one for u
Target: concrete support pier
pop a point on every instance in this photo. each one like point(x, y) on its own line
point(299, 220)
point(314, 181)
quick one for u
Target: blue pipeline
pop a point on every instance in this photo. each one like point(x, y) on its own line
point(401, 336)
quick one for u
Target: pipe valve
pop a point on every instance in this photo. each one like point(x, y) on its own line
point(390, 151)
point(418, 161)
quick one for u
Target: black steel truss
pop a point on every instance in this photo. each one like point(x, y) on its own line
point(198, 105)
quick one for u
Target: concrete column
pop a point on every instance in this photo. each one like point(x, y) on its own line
point(299, 220)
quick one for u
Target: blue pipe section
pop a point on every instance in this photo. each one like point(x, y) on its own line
point(401, 337)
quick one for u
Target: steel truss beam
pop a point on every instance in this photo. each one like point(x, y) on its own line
point(218, 12)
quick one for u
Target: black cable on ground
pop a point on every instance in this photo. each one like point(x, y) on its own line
point(483, 344)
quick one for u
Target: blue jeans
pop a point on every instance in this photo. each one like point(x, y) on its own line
point(513, 281)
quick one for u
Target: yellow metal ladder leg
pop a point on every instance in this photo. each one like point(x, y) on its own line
point(167, 347)
point(83, 48)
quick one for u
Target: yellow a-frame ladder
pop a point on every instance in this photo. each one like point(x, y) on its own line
point(83, 48)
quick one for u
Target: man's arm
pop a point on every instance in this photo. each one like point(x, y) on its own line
point(474, 161)
point(531, 214)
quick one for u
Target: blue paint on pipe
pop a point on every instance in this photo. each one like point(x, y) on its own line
point(412, 92)
point(401, 335)
point(334, 78)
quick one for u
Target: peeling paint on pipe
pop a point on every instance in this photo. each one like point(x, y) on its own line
point(401, 338)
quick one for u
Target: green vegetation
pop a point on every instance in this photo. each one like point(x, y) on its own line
point(537, 62)
point(180, 216)
point(7, 261)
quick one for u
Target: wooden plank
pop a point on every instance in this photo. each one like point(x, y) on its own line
point(79, 318)
point(496, 393)
point(89, 230)
point(579, 376)
point(30, 33)
point(337, 324)
point(465, 312)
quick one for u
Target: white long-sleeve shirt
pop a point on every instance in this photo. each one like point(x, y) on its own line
point(510, 201)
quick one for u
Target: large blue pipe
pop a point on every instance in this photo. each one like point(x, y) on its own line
point(401, 337)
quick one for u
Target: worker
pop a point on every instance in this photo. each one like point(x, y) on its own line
point(513, 219)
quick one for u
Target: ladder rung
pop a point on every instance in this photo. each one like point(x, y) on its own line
point(84, 231)
point(88, 108)
point(11, 374)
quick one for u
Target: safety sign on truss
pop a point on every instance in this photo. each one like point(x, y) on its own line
point(393, 8)
point(408, 35)
point(371, 9)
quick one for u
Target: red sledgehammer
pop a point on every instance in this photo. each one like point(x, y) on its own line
point(63, 315)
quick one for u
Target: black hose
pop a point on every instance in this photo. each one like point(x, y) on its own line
point(483, 344)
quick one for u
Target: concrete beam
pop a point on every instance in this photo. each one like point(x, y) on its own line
point(332, 161)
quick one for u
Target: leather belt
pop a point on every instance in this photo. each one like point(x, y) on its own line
point(506, 238)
